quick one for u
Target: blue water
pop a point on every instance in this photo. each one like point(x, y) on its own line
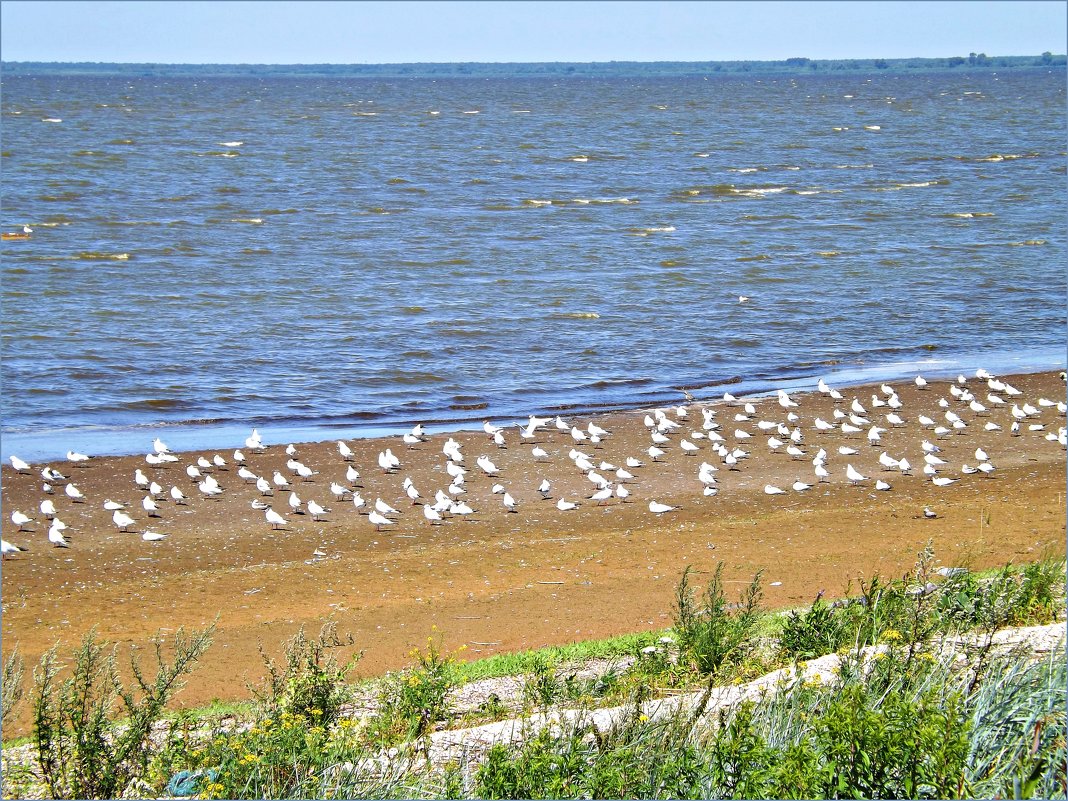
point(358, 262)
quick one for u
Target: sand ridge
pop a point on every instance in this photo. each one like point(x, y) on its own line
point(508, 581)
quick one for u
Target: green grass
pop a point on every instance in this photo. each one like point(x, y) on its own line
point(515, 664)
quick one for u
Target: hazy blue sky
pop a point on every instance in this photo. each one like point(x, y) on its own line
point(384, 32)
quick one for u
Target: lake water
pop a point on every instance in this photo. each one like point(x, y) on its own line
point(338, 257)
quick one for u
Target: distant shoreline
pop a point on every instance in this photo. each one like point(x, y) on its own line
point(978, 62)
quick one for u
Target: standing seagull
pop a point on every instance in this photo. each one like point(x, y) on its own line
point(122, 520)
point(378, 520)
point(20, 519)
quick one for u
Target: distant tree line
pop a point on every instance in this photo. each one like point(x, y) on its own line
point(795, 65)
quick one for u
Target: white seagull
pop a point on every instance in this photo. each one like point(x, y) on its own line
point(122, 520)
point(385, 508)
point(378, 520)
point(20, 519)
point(854, 476)
point(55, 536)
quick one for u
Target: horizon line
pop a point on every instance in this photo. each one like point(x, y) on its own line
point(498, 63)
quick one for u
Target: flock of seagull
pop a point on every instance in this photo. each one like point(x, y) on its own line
point(724, 445)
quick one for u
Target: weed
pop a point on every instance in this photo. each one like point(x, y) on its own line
point(711, 634)
point(541, 687)
point(414, 700)
point(311, 682)
point(81, 750)
point(11, 685)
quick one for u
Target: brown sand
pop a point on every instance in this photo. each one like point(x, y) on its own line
point(507, 582)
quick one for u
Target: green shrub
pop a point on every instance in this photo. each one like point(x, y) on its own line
point(414, 700)
point(813, 632)
point(541, 687)
point(82, 751)
point(311, 683)
point(711, 634)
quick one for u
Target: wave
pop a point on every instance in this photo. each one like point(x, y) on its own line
point(574, 316)
point(92, 255)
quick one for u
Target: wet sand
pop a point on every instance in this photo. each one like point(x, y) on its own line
point(500, 581)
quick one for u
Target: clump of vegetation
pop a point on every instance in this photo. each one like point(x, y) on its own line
point(711, 633)
point(414, 700)
point(82, 750)
point(11, 686)
point(916, 607)
point(311, 683)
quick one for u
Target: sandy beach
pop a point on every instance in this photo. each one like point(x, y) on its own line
point(502, 581)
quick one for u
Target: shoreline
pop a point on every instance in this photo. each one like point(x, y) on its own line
point(501, 581)
point(52, 444)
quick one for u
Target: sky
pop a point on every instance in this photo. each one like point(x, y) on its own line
point(403, 31)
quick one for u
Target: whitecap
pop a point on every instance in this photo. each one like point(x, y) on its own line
point(249, 220)
point(873, 127)
point(758, 192)
point(51, 119)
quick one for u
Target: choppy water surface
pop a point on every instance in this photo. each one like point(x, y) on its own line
point(370, 253)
